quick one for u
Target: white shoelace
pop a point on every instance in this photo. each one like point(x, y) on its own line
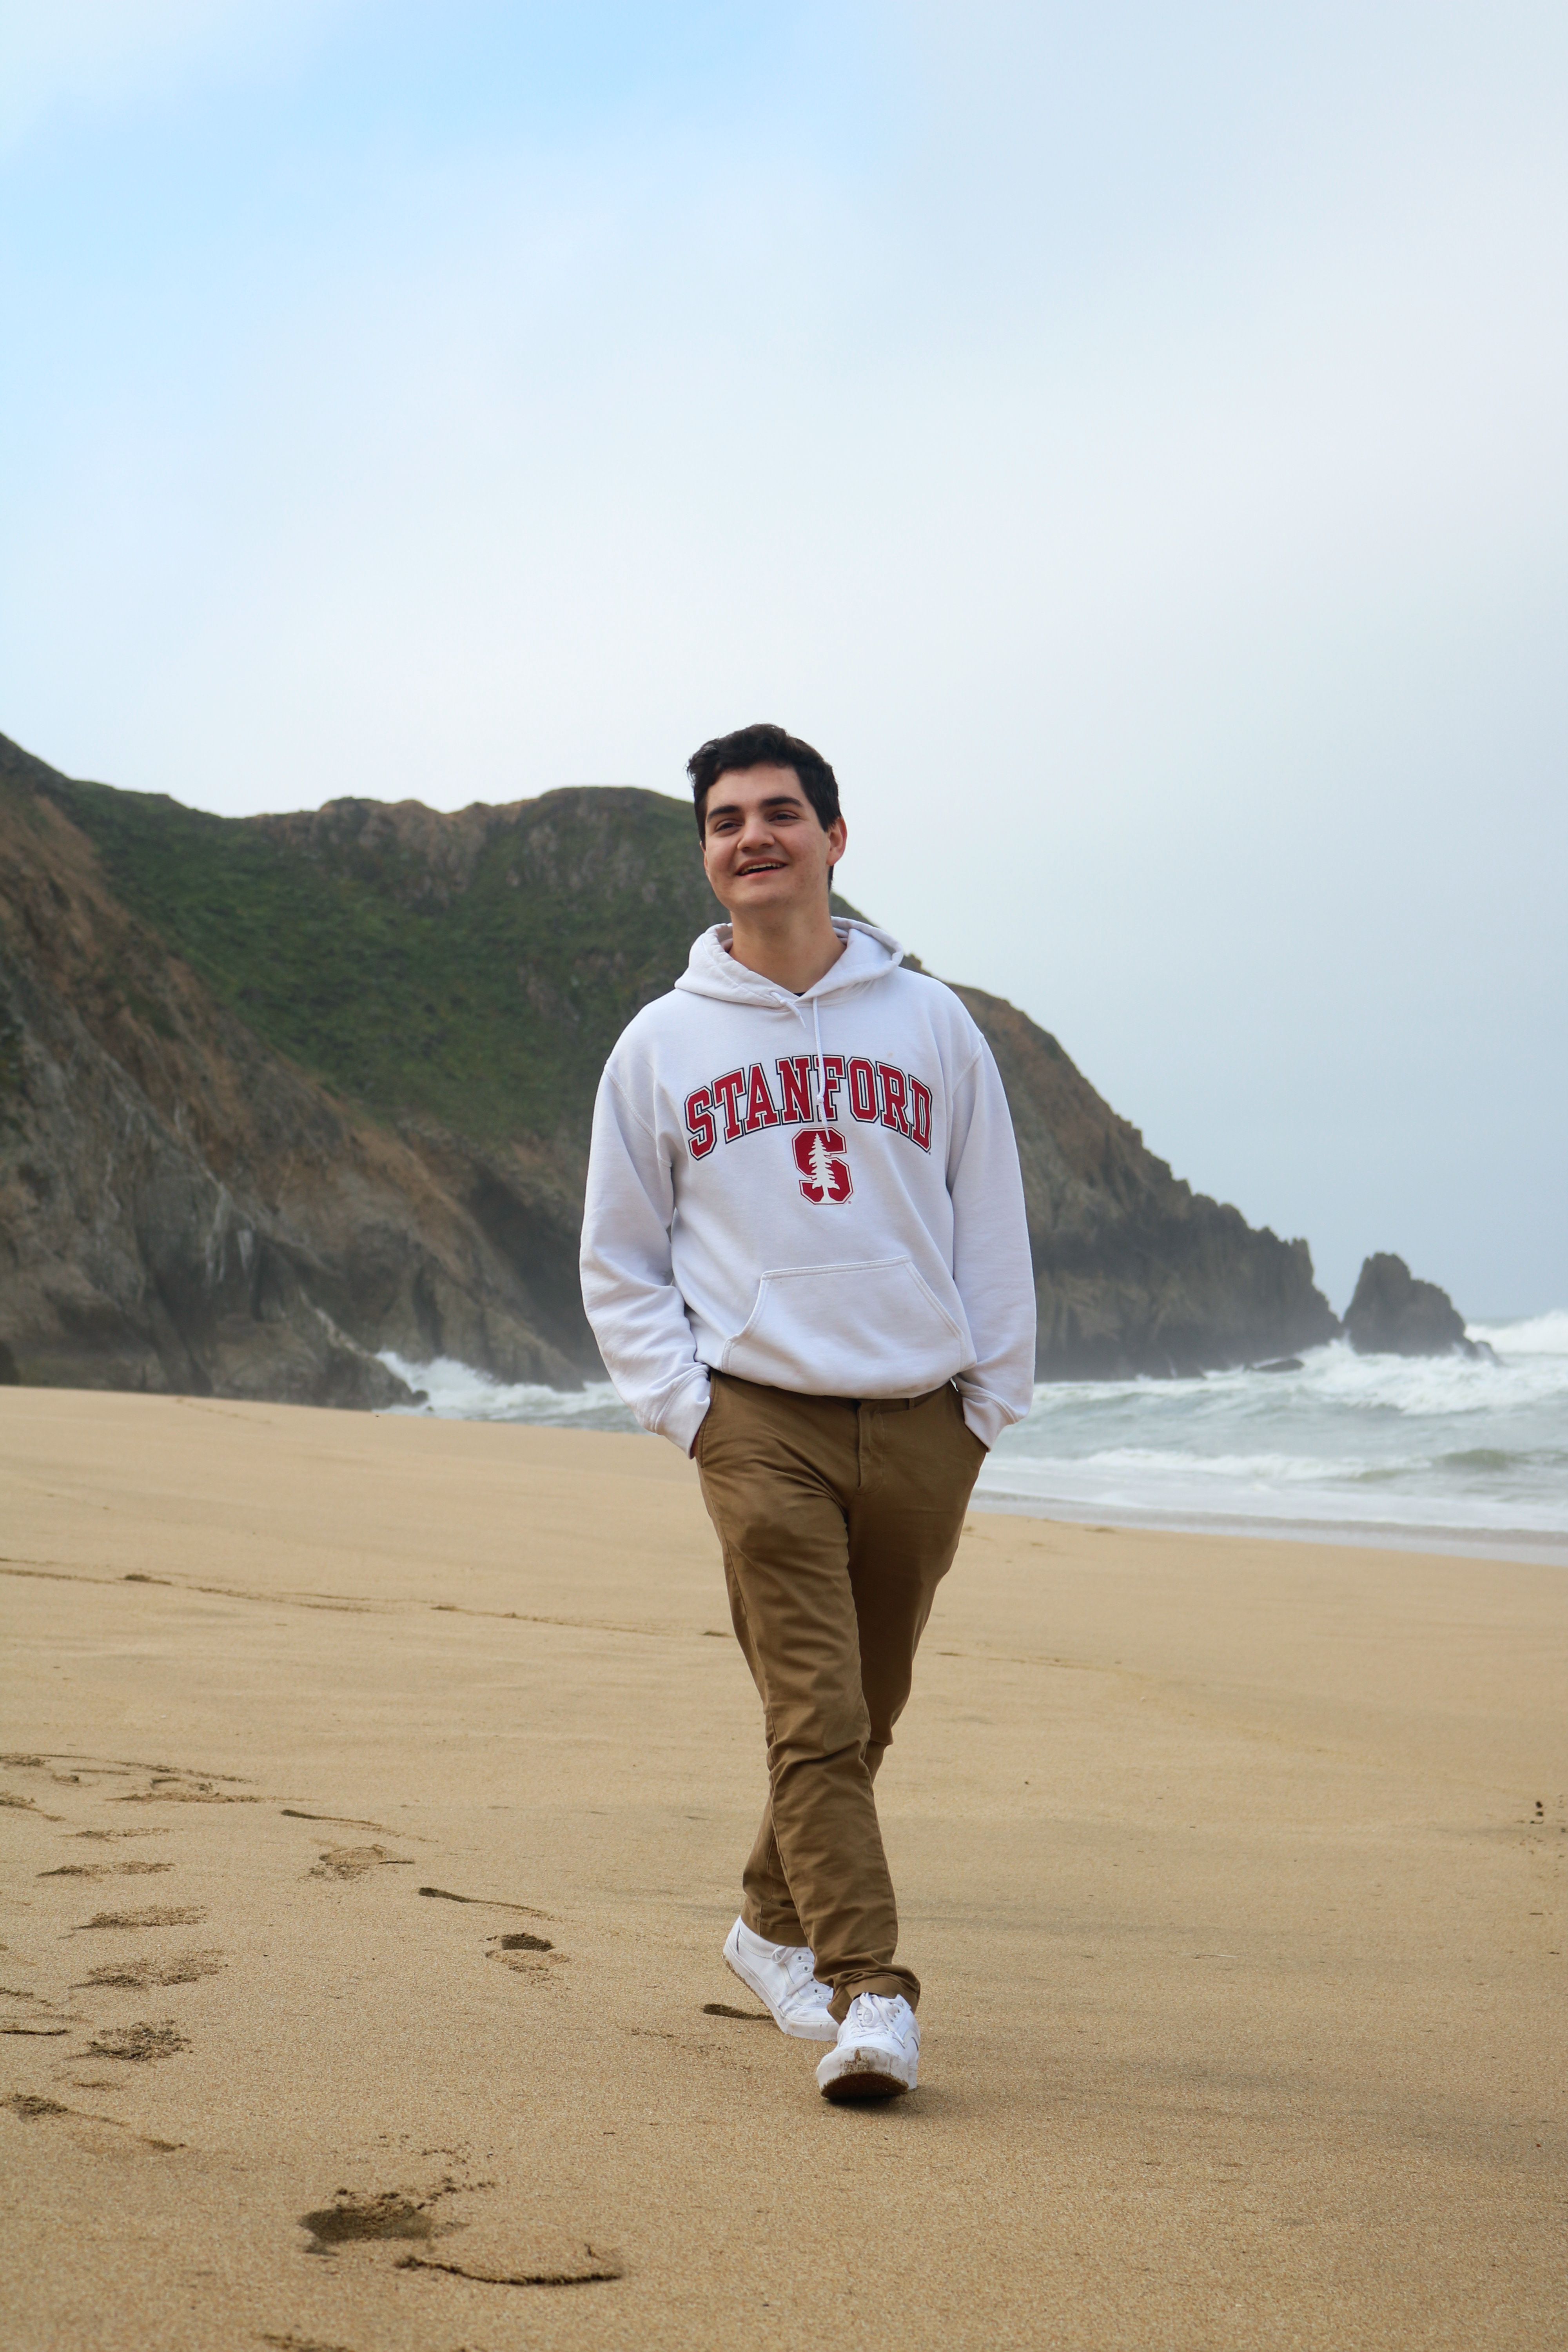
point(872, 2012)
point(798, 1966)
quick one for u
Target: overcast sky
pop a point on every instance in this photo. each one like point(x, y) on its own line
point(1129, 441)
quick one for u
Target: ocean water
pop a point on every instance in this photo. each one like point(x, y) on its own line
point(1440, 1449)
point(1435, 1451)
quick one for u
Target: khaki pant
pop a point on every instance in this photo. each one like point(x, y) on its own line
point(837, 1520)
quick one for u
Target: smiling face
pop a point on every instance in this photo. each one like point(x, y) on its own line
point(764, 846)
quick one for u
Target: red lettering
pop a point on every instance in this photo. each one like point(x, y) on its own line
point(893, 1083)
point(920, 1114)
point(760, 1111)
point(832, 1079)
point(728, 1091)
point(795, 1089)
point(699, 1124)
point(862, 1089)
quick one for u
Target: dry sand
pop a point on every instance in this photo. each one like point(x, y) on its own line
point(1235, 1872)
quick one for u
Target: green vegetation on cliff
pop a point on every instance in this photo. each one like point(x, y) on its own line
point(473, 969)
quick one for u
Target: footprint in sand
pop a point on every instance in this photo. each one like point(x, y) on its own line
point(355, 2216)
point(354, 1861)
point(163, 1783)
point(483, 1902)
point(533, 1957)
point(575, 2264)
point(187, 1968)
point(106, 1869)
point(11, 1802)
point(529, 1955)
point(29, 2107)
point(102, 1837)
point(138, 2044)
point(144, 2042)
point(487, 2252)
point(169, 1788)
point(157, 1914)
point(38, 2016)
point(348, 1822)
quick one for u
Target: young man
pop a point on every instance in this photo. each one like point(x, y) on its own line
point(805, 1262)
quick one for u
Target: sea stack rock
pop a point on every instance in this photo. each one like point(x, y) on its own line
point(1391, 1314)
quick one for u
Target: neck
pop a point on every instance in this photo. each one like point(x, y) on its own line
point(792, 947)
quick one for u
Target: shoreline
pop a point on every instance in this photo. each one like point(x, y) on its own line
point(1541, 1549)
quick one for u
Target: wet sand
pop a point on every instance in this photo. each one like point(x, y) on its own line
point(374, 1799)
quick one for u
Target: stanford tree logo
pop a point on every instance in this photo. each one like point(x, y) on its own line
point(825, 1176)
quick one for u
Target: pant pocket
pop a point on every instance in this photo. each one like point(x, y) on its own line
point(964, 1436)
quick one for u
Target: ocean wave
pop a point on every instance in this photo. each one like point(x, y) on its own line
point(1279, 1469)
point(456, 1391)
point(1258, 1469)
point(1335, 1375)
point(1426, 1385)
point(1535, 1334)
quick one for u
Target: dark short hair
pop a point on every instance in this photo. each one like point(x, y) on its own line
point(764, 746)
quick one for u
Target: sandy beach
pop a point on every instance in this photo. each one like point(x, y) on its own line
point(376, 1795)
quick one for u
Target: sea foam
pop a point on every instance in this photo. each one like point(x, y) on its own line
point(1450, 1446)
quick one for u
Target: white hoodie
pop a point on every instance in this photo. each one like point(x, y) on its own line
point(865, 1240)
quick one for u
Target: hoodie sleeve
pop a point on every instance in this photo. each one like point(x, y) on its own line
point(991, 1262)
point(628, 1287)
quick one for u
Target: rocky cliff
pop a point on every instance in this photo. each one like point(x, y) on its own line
point(277, 1094)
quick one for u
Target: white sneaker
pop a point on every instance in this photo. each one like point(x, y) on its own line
point(780, 1975)
point(878, 2054)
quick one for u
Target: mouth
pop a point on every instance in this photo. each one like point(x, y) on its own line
point(769, 866)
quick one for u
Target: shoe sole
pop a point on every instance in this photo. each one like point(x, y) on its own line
point(795, 2033)
point(844, 2089)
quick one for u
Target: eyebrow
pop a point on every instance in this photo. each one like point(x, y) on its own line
point(774, 801)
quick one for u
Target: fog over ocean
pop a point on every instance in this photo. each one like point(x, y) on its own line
point(1430, 1451)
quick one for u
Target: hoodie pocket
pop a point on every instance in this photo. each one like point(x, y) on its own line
point(863, 1330)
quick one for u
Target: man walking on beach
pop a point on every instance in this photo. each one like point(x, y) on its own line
point(805, 1262)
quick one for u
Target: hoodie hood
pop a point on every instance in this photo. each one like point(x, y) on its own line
point(712, 971)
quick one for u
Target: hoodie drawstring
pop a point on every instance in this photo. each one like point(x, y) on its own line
point(821, 1073)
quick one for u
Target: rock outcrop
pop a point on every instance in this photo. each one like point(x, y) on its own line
point(1393, 1314)
point(278, 1094)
